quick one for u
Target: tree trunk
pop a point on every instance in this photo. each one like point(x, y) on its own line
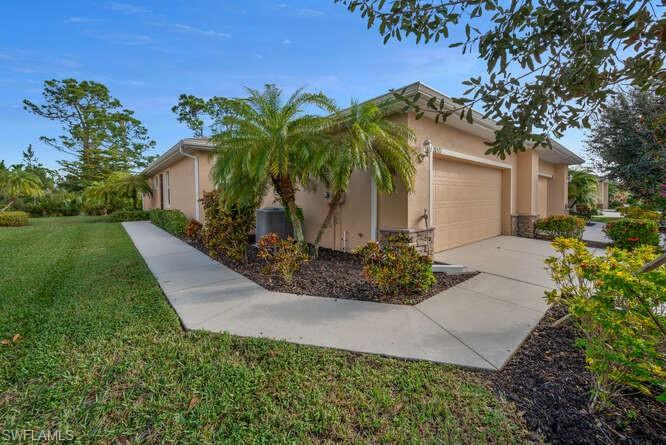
point(332, 207)
point(285, 190)
point(11, 203)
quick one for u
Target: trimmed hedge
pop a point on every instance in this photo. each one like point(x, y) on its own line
point(13, 219)
point(566, 226)
point(628, 233)
point(129, 215)
point(173, 221)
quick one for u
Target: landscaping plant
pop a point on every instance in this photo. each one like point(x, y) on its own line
point(13, 219)
point(364, 138)
point(566, 226)
point(16, 182)
point(283, 257)
point(395, 266)
point(193, 231)
point(129, 215)
point(618, 307)
point(173, 221)
point(225, 233)
point(629, 233)
point(266, 141)
point(636, 212)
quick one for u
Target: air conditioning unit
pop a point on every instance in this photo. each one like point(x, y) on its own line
point(273, 219)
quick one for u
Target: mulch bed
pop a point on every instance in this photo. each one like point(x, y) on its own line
point(334, 274)
point(547, 380)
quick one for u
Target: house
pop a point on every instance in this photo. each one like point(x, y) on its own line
point(602, 193)
point(461, 194)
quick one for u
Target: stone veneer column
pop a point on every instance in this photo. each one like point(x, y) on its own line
point(528, 183)
point(422, 239)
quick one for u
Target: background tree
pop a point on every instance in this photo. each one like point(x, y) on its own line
point(17, 182)
point(550, 63)
point(264, 141)
point(191, 111)
point(116, 189)
point(628, 141)
point(582, 188)
point(362, 138)
point(101, 135)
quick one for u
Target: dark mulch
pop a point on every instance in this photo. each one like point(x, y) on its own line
point(547, 380)
point(335, 274)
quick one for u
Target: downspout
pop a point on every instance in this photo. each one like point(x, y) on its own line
point(427, 146)
point(196, 179)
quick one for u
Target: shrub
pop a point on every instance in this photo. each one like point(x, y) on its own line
point(395, 267)
point(566, 226)
point(635, 212)
point(129, 215)
point(225, 233)
point(613, 304)
point(173, 221)
point(193, 231)
point(13, 219)
point(629, 233)
point(585, 211)
point(282, 257)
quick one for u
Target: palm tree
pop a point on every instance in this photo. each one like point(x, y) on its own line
point(16, 182)
point(118, 186)
point(582, 187)
point(362, 138)
point(129, 186)
point(263, 141)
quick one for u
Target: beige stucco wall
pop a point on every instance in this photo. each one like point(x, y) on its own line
point(602, 194)
point(181, 178)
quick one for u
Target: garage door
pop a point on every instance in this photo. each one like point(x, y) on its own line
point(542, 205)
point(467, 203)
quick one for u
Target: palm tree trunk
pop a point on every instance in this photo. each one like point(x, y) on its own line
point(285, 189)
point(332, 207)
point(11, 203)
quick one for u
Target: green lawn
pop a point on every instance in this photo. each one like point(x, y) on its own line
point(604, 219)
point(103, 355)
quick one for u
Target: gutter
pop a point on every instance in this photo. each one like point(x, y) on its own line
point(196, 179)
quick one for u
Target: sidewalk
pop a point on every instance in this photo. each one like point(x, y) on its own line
point(476, 324)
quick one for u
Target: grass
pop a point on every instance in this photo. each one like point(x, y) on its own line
point(605, 219)
point(102, 355)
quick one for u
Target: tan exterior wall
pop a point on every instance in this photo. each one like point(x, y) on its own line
point(181, 179)
point(602, 194)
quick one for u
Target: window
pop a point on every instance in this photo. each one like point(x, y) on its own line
point(167, 189)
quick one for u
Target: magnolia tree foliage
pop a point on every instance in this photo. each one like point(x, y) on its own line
point(550, 63)
point(629, 142)
point(97, 130)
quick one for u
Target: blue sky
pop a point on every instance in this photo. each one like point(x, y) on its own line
point(149, 52)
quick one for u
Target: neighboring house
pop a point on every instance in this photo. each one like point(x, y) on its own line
point(461, 195)
point(602, 193)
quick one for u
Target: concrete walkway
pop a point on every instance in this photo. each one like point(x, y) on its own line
point(478, 323)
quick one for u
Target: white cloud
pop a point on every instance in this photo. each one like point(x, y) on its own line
point(128, 8)
point(299, 12)
point(198, 31)
point(286, 42)
point(76, 19)
point(121, 38)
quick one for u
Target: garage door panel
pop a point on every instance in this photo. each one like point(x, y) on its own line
point(467, 202)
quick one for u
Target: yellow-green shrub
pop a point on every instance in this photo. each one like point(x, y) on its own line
point(225, 233)
point(614, 305)
point(282, 257)
point(13, 219)
point(395, 266)
point(635, 212)
point(173, 221)
point(566, 226)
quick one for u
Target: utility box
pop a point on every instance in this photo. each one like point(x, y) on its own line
point(273, 219)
